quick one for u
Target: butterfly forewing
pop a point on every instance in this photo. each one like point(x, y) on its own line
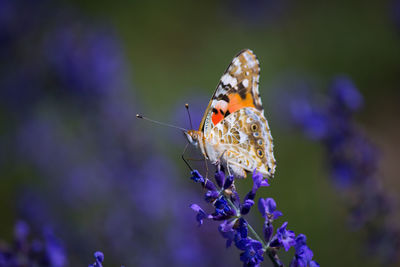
point(237, 88)
point(234, 128)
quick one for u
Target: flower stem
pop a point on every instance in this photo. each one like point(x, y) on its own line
point(256, 235)
point(274, 258)
point(233, 206)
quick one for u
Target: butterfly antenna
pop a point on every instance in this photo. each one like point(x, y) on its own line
point(190, 118)
point(139, 116)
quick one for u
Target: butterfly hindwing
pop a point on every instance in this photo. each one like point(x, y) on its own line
point(245, 139)
point(237, 88)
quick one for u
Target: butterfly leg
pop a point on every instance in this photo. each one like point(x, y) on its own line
point(218, 162)
point(183, 157)
point(186, 160)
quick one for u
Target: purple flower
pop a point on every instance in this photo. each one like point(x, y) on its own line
point(247, 204)
point(283, 238)
point(21, 230)
point(228, 181)
point(201, 214)
point(346, 94)
point(221, 207)
point(196, 176)
point(99, 256)
point(211, 196)
point(242, 228)
point(55, 249)
point(267, 208)
point(210, 185)
point(303, 255)
point(227, 225)
point(45, 251)
point(227, 231)
point(253, 252)
point(235, 229)
point(220, 178)
point(258, 181)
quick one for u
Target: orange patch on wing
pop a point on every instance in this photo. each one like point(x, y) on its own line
point(217, 117)
point(236, 102)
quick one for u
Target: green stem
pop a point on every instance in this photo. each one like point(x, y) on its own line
point(233, 206)
point(274, 258)
point(256, 236)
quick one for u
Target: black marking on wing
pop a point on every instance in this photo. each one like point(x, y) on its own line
point(223, 97)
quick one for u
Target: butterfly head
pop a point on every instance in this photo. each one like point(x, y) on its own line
point(193, 137)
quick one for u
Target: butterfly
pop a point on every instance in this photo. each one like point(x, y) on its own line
point(234, 131)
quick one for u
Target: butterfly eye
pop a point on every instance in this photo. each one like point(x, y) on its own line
point(194, 136)
point(260, 153)
point(254, 127)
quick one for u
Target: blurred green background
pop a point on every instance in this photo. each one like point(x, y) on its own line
point(177, 50)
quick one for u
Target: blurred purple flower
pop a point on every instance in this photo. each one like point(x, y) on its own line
point(352, 158)
point(44, 251)
point(99, 256)
point(346, 94)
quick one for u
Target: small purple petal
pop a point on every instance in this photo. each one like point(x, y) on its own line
point(268, 231)
point(227, 225)
point(220, 178)
point(248, 203)
point(258, 181)
point(300, 241)
point(201, 214)
point(99, 256)
point(228, 182)
point(242, 230)
point(211, 196)
point(267, 208)
point(196, 176)
point(276, 214)
point(283, 238)
point(253, 252)
point(210, 185)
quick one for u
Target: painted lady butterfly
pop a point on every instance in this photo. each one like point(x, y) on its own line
point(233, 130)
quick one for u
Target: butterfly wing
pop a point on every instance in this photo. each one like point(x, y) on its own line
point(237, 89)
point(244, 139)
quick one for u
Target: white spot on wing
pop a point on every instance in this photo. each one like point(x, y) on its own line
point(243, 137)
point(238, 70)
point(249, 59)
point(245, 82)
point(228, 79)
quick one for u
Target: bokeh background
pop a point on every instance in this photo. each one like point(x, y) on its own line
point(79, 173)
